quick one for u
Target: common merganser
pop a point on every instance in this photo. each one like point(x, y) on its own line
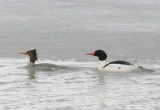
point(116, 66)
point(43, 66)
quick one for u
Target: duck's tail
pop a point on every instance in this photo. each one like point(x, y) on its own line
point(145, 69)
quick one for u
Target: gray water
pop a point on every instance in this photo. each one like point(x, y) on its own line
point(63, 31)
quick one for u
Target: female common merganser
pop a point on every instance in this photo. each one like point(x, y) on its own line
point(115, 66)
point(43, 66)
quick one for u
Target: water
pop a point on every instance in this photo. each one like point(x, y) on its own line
point(63, 32)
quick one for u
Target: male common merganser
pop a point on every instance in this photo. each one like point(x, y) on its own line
point(43, 66)
point(115, 66)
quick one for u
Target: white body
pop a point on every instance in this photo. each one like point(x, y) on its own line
point(119, 68)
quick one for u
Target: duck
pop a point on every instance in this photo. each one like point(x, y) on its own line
point(118, 66)
point(42, 66)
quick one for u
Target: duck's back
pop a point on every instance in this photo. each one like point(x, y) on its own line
point(44, 66)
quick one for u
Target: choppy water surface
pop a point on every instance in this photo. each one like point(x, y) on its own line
point(81, 88)
point(63, 32)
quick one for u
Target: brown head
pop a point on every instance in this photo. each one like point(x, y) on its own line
point(32, 54)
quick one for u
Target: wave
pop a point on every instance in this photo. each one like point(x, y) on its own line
point(68, 62)
point(13, 63)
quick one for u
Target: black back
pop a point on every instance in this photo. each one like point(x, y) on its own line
point(118, 62)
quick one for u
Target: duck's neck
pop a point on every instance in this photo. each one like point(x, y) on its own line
point(101, 64)
point(32, 60)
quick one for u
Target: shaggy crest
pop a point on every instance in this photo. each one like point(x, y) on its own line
point(33, 55)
